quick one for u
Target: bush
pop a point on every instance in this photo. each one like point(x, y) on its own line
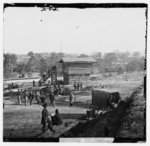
point(120, 70)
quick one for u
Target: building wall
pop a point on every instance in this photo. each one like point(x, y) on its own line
point(76, 69)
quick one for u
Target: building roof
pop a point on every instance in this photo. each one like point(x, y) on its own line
point(105, 90)
point(77, 60)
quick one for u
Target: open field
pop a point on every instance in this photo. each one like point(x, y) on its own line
point(21, 121)
point(24, 121)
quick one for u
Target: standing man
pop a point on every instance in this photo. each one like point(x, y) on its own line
point(71, 98)
point(42, 98)
point(38, 96)
point(19, 97)
point(33, 83)
point(11, 93)
point(59, 89)
point(31, 97)
point(77, 86)
point(74, 84)
point(52, 98)
point(81, 86)
point(25, 97)
point(49, 82)
point(44, 117)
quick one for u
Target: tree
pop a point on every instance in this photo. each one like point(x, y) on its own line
point(110, 58)
point(13, 59)
point(30, 54)
point(124, 57)
point(135, 64)
point(9, 63)
point(83, 55)
point(136, 54)
point(10, 59)
point(54, 58)
point(43, 66)
point(21, 68)
point(120, 70)
point(33, 64)
point(97, 55)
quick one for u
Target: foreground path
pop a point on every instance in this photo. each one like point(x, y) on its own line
point(22, 123)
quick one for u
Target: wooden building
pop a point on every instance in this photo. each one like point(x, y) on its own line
point(76, 66)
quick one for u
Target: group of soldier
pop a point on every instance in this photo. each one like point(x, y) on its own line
point(29, 95)
point(77, 85)
point(39, 95)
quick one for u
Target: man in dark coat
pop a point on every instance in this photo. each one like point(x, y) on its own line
point(31, 97)
point(44, 117)
point(55, 90)
point(25, 97)
point(57, 119)
point(42, 97)
point(52, 98)
point(59, 89)
point(71, 98)
point(38, 96)
point(33, 83)
point(19, 97)
point(80, 86)
point(74, 85)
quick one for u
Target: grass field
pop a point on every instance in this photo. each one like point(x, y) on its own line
point(24, 121)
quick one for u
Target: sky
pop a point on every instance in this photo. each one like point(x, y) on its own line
point(71, 30)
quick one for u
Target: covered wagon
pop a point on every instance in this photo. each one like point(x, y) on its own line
point(103, 99)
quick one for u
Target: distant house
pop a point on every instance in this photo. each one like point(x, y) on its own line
point(22, 59)
point(76, 66)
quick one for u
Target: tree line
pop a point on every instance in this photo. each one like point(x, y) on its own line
point(109, 62)
point(120, 62)
point(35, 63)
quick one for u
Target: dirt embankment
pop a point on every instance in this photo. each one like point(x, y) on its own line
point(105, 125)
point(134, 121)
point(123, 122)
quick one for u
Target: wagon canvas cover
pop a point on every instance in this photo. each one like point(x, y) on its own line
point(100, 98)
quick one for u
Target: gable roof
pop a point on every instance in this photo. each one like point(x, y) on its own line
point(77, 60)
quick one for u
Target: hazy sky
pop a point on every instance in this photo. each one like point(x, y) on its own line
point(74, 30)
